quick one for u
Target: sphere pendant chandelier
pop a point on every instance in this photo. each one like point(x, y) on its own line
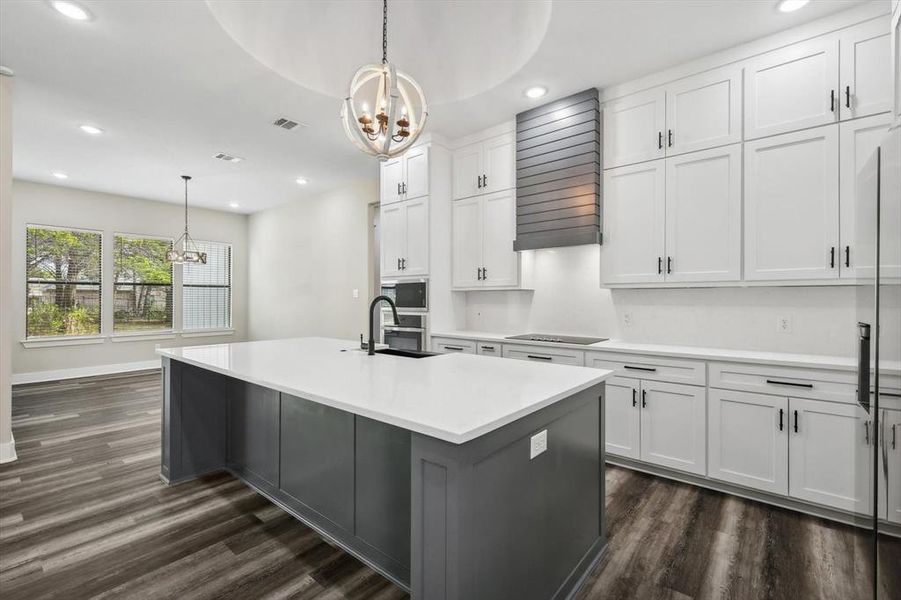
point(394, 97)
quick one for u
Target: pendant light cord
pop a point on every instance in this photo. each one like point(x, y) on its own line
point(385, 32)
point(186, 206)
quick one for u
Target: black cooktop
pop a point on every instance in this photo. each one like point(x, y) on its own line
point(556, 339)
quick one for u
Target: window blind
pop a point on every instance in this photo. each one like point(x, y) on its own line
point(206, 289)
point(143, 284)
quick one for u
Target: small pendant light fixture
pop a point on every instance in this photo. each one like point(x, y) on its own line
point(189, 252)
point(393, 94)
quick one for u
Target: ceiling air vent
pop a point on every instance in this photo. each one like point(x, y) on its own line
point(286, 123)
point(227, 157)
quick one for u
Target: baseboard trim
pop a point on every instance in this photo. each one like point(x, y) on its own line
point(57, 374)
point(8, 451)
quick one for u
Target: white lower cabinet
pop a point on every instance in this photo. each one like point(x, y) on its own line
point(890, 466)
point(489, 349)
point(562, 356)
point(622, 423)
point(445, 345)
point(748, 440)
point(830, 454)
point(674, 426)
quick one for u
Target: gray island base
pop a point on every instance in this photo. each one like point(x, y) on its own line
point(480, 519)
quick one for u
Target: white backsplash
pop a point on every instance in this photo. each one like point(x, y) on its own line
point(567, 298)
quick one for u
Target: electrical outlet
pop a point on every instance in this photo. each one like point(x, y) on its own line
point(627, 319)
point(356, 293)
point(538, 444)
point(784, 324)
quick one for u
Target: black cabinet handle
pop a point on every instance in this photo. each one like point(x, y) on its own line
point(648, 369)
point(669, 138)
point(781, 414)
point(634, 400)
point(847, 96)
point(644, 398)
point(832, 257)
point(398, 189)
point(893, 435)
point(398, 264)
point(796, 421)
point(479, 273)
point(403, 264)
point(404, 187)
point(866, 432)
point(484, 272)
point(790, 383)
point(457, 348)
point(491, 348)
point(669, 264)
point(484, 180)
point(660, 140)
point(847, 256)
point(660, 265)
point(480, 181)
point(539, 357)
point(832, 100)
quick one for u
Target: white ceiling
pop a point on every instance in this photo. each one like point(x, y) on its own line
point(172, 83)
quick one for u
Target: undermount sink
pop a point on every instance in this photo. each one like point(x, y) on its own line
point(405, 353)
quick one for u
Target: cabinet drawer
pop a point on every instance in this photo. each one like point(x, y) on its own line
point(489, 349)
point(453, 345)
point(785, 381)
point(651, 368)
point(543, 354)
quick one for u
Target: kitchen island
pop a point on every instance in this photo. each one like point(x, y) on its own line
point(455, 476)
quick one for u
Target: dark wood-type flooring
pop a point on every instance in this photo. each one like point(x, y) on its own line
point(83, 514)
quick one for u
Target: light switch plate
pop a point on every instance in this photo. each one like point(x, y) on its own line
point(538, 444)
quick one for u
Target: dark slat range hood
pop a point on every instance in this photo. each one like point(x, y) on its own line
point(558, 173)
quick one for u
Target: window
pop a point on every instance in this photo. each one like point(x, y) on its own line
point(63, 281)
point(207, 289)
point(143, 284)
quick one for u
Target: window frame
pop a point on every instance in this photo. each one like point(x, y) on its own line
point(150, 334)
point(39, 340)
point(231, 299)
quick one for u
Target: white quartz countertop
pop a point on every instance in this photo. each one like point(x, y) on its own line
point(452, 397)
point(786, 359)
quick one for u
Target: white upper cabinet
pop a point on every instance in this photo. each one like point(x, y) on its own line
point(484, 228)
point(792, 88)
point(791, 206)
point(858, 141)
point(622, 417)
point(674, 426)
point(830, 454)
point(391, 238)
point(896, 60)
point(748, 439)
point(404, 238)
point(703, 216)
point(634, 128)
point(703, 111)
point(866, 62)
point(405, 177)
point(485, 167)
point(634, 205)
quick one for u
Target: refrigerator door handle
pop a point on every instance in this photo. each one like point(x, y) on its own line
point(863, 366)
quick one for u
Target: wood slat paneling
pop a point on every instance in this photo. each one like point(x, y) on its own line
point(558, 173)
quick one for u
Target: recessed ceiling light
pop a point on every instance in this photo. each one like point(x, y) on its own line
point(59, 175)
point(233, 205)
point(536, 91)
point(301, 180)
point(71, 10)
point(791, 5)
point(91, 129)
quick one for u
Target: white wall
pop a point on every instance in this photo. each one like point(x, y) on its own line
point(567, 298)
point(7, 449)
point(306, 258)
point(36, 203)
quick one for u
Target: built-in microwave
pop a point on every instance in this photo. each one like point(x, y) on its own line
point(408, 295)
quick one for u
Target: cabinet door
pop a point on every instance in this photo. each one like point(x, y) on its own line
point(890, 465)
point(467, 171)
point(444, 345)
point(634, 128)
point(633, 247)
point(858, 141)
point(791, 206)
point(391, 238)
point(466, 236)
point(674, 426)
point(703, 215)
point(829, 454)
point(896, 62)
point(748, 440)
point(253, 413)
point(499, 163)
point(416, 175)
point(792, 88)
point(622, 422)
point(392, 178)
point(415, 259)
point(866, 62)
point(704, 111)
point(500, 263)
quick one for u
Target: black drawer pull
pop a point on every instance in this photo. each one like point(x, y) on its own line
point(488, 348)
point(644, 398)
point(648, 369)
point(539, 357)
point(634, 401)
point(796, 421)
point(457, 348)
point(790, 383)
point(781, 414)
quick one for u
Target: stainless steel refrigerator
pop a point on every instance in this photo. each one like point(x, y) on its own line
point(878, 267)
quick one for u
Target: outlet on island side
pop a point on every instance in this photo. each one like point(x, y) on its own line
point(784, 324)
point(537, 444)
